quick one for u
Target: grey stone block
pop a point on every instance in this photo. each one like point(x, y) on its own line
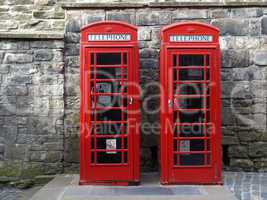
point(255, 27)
point(20, 79)
point(8, 45)
point(264, 25)
point(219, 13)
point(41, 44)
point(233, 27)
point(235, 58)
point(17, 90)
point(79, 19)
point(190, 14)
point(72, 37)
point(4, 68)
point(238, 151)
point(246, 12)
point(149, 53)
point(73, 25)
point(72, 61)
point(258, 149)
point(227, 87)
point(43, 55)
point(20, 2)
point(149, 63)
point(144, 33)
point(16, 152)
point(2, 148)
point(227, 116)
point(72, 102)
point(70, 87)
point(247, 135)
point(23, 69)
point(260, 58)
point(72, 50)
point(17, 58)
point(21, 8)
point(245, 164)
point(50, 67)
point(248, 74)
point(226, 74)
point(147, 17)
point(125, 16)
point(49, 14)
point(229, 140)
point(7, 25)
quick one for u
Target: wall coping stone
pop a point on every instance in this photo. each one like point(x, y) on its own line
point(69, 6)
point(32, 35)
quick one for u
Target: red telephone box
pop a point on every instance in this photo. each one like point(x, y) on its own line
point(190, 150)
point(109, 112)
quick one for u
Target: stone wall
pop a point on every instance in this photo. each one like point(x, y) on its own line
point(31, 107)
point(39, 102)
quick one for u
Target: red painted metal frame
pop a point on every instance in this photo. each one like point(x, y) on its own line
point(179, 174)
point(115, 173)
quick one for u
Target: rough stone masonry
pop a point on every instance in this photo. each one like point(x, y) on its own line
point(39, 78)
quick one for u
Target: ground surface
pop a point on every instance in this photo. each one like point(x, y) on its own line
point(246, 186)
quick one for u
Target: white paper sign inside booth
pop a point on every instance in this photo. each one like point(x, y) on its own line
point(104, 101)
point(185, 146)
point(111, 144)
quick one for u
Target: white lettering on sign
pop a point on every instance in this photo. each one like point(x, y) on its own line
point(109, 37)
point(191, 38)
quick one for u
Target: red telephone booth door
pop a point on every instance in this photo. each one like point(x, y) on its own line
point(109, 143)
point(192, 121)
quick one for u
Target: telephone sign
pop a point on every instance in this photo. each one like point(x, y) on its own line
point(190, 150)
point(109, 37)
point(109, 113)
point(190, 38)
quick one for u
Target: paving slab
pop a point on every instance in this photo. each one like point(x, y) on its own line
point(65, 187)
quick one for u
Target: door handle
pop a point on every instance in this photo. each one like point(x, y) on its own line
point(131, 100)
point(170, 103)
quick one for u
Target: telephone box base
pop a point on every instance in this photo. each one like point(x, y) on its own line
point(110, 183)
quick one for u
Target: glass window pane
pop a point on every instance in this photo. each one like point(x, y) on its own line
point(109, 157)
point(207, 60)
point(108, 58)
point(92, 157)
point(125, 59)
point(109, 73)
point(195, 117)
point(190, 103)
point(109, 115)
point(126, 157)
point(196, 130)
point(92, 58)
point(208, 159)
point(110, 129)
point(174, 60)
point(197, 145)
point(191, 60)
point(190, 88)
point(191, 74)
point(192, 159)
